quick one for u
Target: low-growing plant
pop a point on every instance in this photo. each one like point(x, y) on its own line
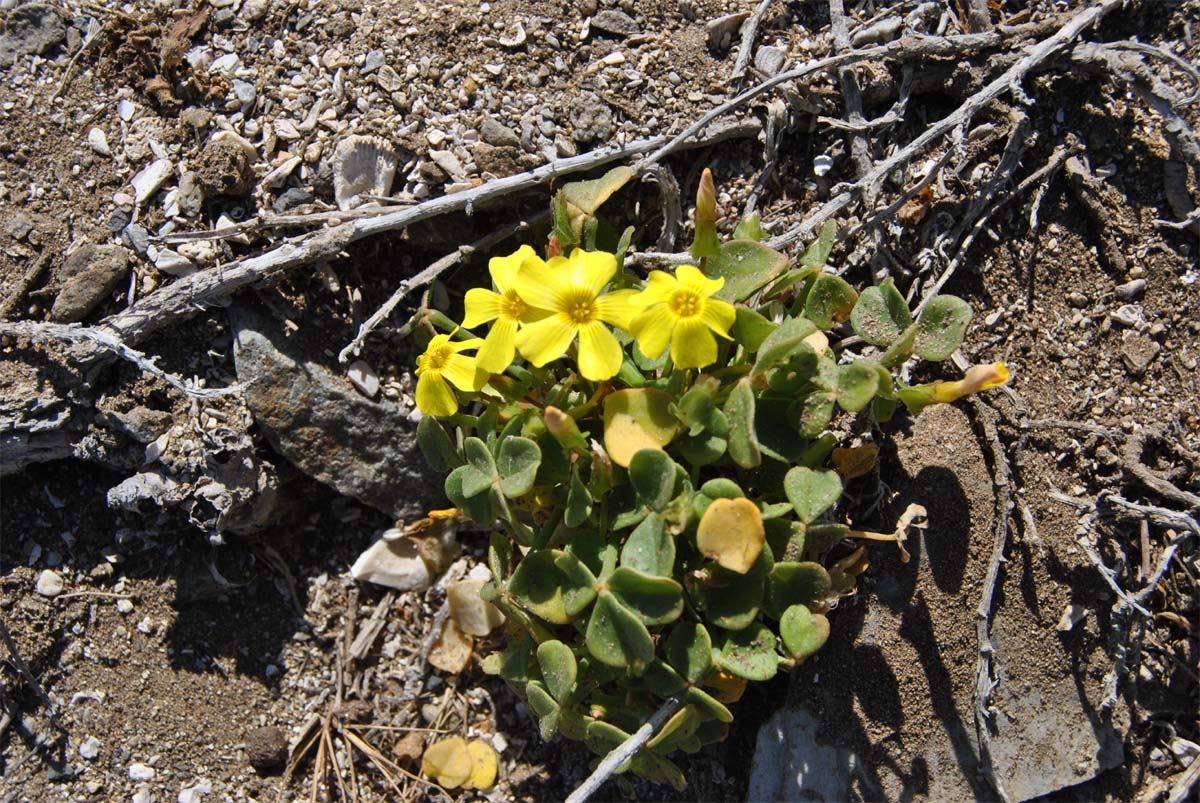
point(656, 454)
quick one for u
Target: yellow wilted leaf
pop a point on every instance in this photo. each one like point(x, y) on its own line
point(856, 461)
point(452, 650)
point(727, 687)
point(636, 419)
point(484, 765)
point(449, 762)
point(731, 533)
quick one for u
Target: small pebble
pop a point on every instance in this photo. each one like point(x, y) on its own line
point(822, 164)
point(1131, 291)
point(124, 606)
point(49, 584)
point(364, 378)
point(90, 748)
point(141, 772)
point(98, 141)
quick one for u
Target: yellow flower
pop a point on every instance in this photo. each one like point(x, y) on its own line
point(569, 291)
point(679, 310)
point(977, 378)
point(505, 307)
point(442, 360)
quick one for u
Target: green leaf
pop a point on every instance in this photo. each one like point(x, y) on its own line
point(499, 556)
point(579, 502)
point(817, 253)
point(750, 328)
point(780, 344)
point(636, 419)
point(682, 724)
point(714, 707)
point(655, 768)
point(746, 266)
point(941, 327)
point(602, 737)
point(518, 465)
point(777, 435)
point(587, 196)
point(543, 707)
point(791, 584)
point(589, 547)
point(750, 228)
point(803, 631)
point(652, 473)
point(739, 409)
point(697, 407)
point(830, 299)
point(559, 669)
point(617, 637)
point(436, 445)
point(820, 537)
point(476, 506)
point(649, 548)
point(481, 468)
point(881, 314)
point(689, 650)
point(537, 585)
point(722, 488)
point(812, 492)
point(708, 447)
point(749, 653)
point(579, 586)
point(662, 679)
point(731, 600)
point(857, 383)
point(656, 600)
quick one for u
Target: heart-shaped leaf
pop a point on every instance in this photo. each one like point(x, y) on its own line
point(656, 600)
point(881, 315)
point(662, 679)
point(636, 419)
point(537, 585)
point(739, 410)
point(587, 196)
point(731, 600)
point(812, 492)
point(652, 473)
point(696, 407)
point(830, 299)
point(731, 533)
point(803, 631)
point(782, 342)
point(689, 650)
point(616, 635)
point(941, 327)
point(857, 383)
point(649, 548)
point(579, 584)
point(749, 653)
point(517, 465)
point(436, 445)
point(476, 506)
point(542, 704)
point(559, 669)
point(791, 584)
point(747, 266)
point(750, 328)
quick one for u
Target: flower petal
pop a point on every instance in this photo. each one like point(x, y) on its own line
point(592, 270)
point(718, 315)
point(504, 269)
point(692, 345)
point(481, 306)
point(466, 345)
point(434, 396)
point(539, 284)
point(652, 330)
point(600, 354)
point(691, 278)
point(547, 339)
point(617, 308)
point(465, 373)
point(499, 347)
point(659, 286)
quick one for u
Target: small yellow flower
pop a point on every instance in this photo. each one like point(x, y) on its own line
point(570, 292)
point(977, 378)
point(679, 310)
point(443, 360)
point(505, 307)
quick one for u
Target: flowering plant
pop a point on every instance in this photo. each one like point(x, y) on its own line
point(660, 456)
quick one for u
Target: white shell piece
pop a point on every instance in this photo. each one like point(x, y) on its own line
point(362, 164)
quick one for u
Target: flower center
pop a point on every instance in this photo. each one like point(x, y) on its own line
point(686, 304)
point(439, 357)
point(513, 306)
point(580, 307)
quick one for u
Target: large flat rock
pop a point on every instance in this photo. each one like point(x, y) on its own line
point(885, 710)
point(313, 416)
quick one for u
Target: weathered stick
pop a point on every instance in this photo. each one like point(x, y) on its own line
point(626, 750)
point(749, 32)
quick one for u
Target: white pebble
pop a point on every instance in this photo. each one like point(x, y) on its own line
point(145, 626)
point(822, 164)
point(98, 141)
point(141, 772)
point(49, 584)
point(124, 606)
point(364, 378)
point(90, 748)
point(125, 110)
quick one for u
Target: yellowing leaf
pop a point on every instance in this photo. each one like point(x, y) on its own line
point(817, 341)
point(636, 419)
point(484, 765)
point(731, 533)
point(727, 687)
point(452, 651)
point(469, 611)
point(856, 461)
point(449, 762)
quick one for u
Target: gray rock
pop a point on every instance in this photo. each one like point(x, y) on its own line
point(291, 198)
point(312, 416)
point(791, 765)
point(1131, 291)
point(614, 22)
point(374, 60)
point(19, 226)
point(1137, 352)
point(769, 60)
point(31, 29)
point(142, 424)
point(496, 133)
point(137, 237)
point(87, 278)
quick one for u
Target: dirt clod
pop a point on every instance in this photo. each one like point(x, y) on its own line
point(266, 748)
point(224, 170)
